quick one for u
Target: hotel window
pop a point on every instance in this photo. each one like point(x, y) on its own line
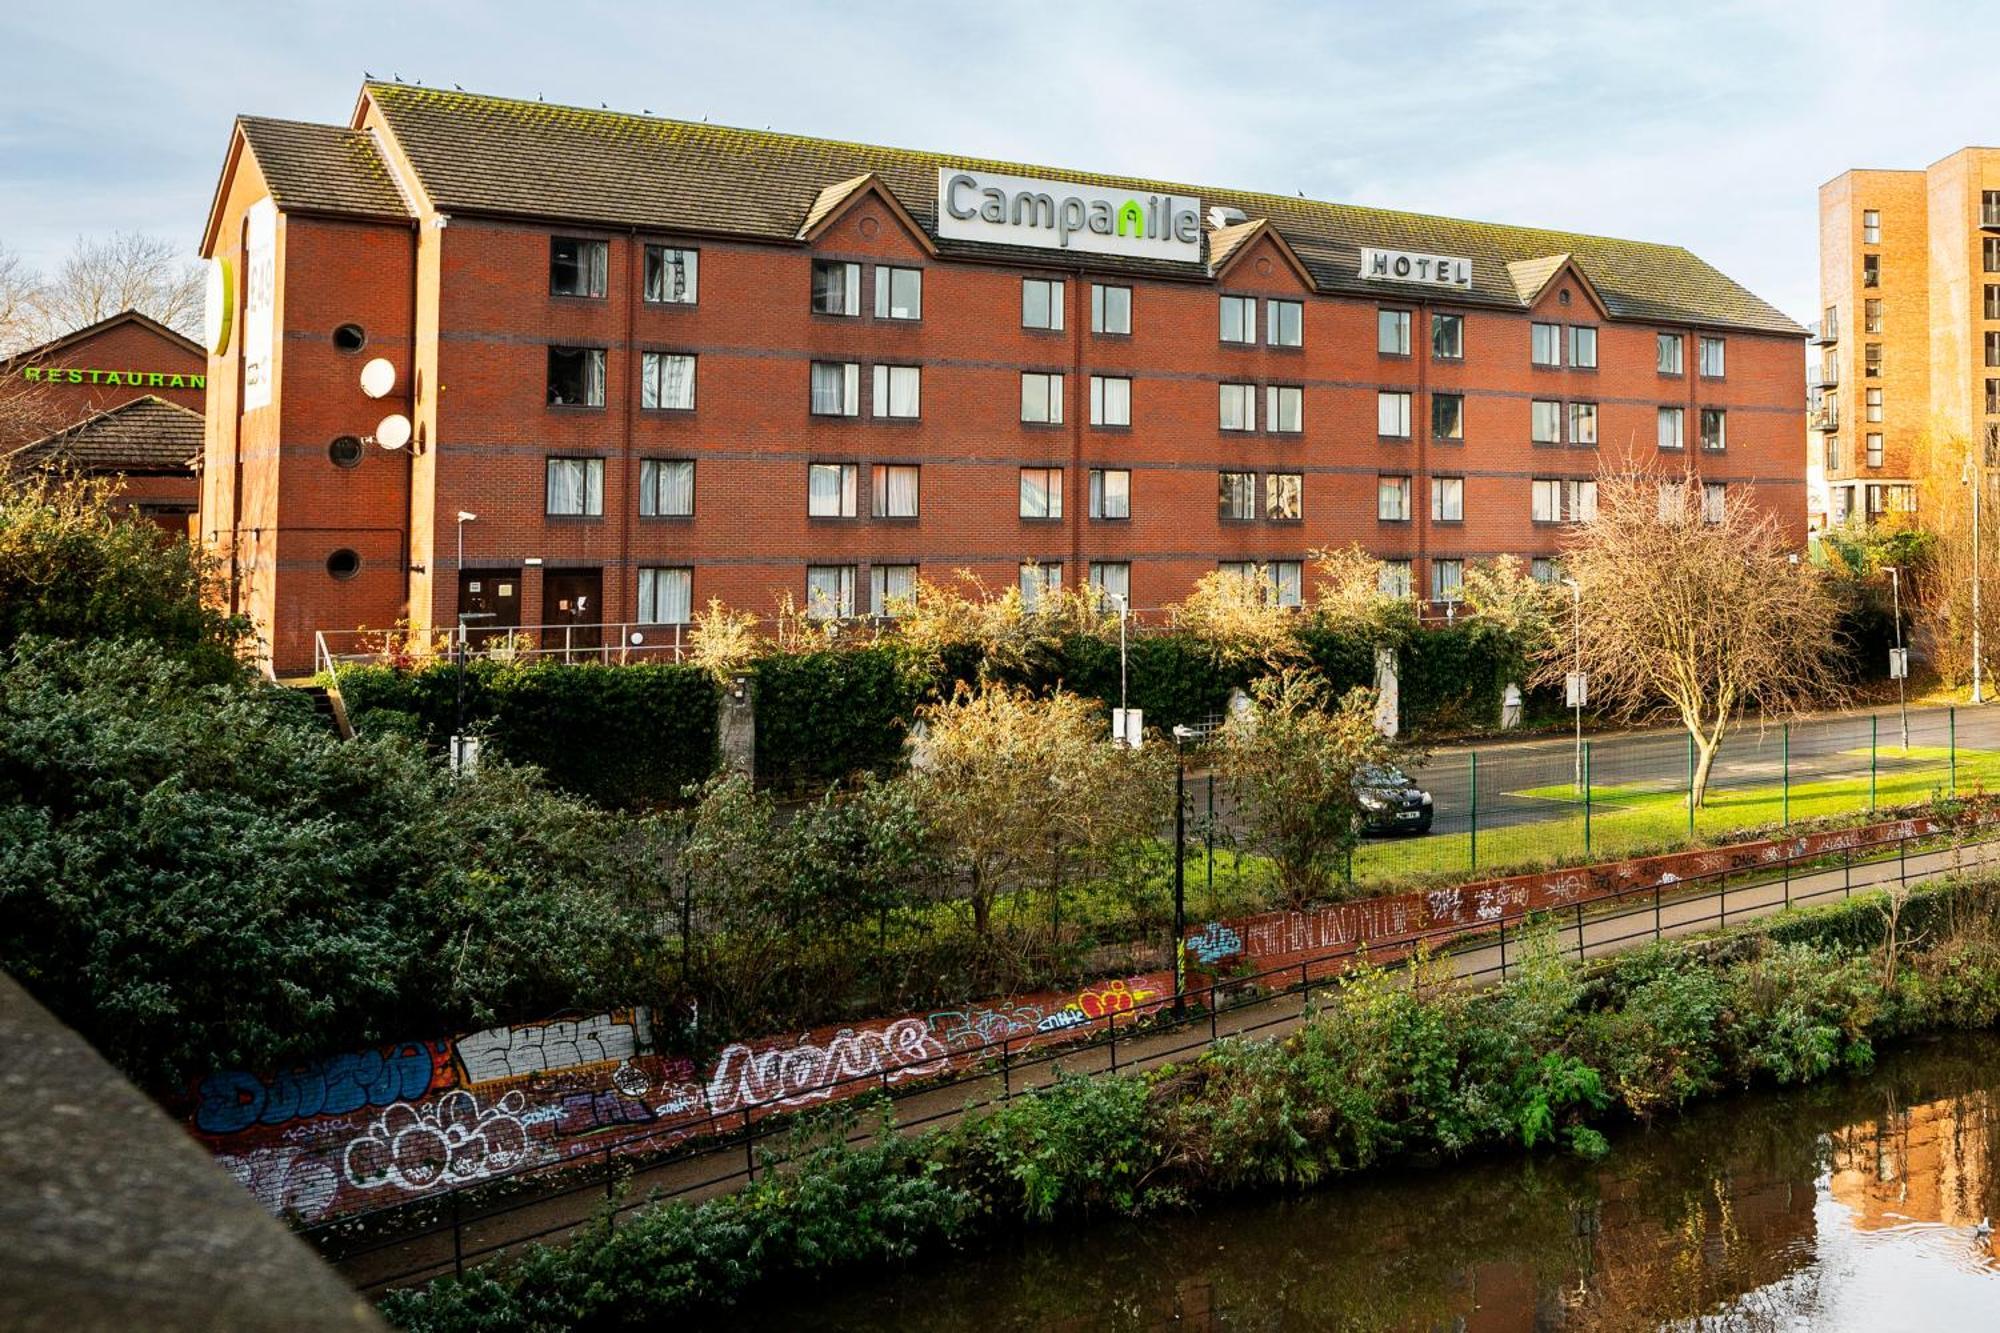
point(1713, 503)
point(1447, 416)
point(1545, 501)
point(836, 389)
point(1110, 492)
point(1110, 308)
point(1448, 337)
point(666, 596)
point(1993, 349)
point(575, 487)
point(1447, 499)
point(1110, 400)
point(1287, 321)
point(1041, 303)
point(1284, 496)
point(1871, 314)
point(898, 391)
point(672, 274)
point(576, 267)
point(1989, 251)
point(1112, 580)
point(895, 490)
point(1714, 428)
point(1392, 499)
point(1543, 569)
point(1871, 270)
point(1872, 402)
point(1236, 496)
point(1902, 499)
point(1871, 227)
point(1874, 450)
point(889, 585)
point(1992, 397)
point(1037, 582)
point(1713, 351)
point(1583, 423)
point(1238, 406)
point(1583, 346)
point(1393, 579)
point(1992, 301)
point(1447, 580)
point(1833, 453)
point(1667, 503)
point(1287, 578)
point(830, 489)
point(829, 591)
point(1673, 427)
point(1989, 208)
point(899, 292)
point(1041, 492)
point(1042, 398)
point(666, 381)
point(1392, 414)
point(836, 287)
point(1545, 421)
point(1545, 344)
point(1553, 501)
point(1284, 409)
point(1392, 332)
point(1582, 499)
point(576, 377)
point(666, 487)
point(1871, 361)
point(1668, 350)
point(1239, 319)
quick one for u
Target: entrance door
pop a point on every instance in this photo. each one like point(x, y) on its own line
point(491, 602)
point(572, 608)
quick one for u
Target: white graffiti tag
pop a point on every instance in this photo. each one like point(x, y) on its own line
point(792, 1076)
point(537, 1048)
point(450, 1142)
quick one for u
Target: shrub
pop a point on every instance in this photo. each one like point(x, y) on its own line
point(825, 716)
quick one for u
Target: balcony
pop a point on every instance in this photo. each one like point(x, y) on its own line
point(1828, 416)
point(1825, 333)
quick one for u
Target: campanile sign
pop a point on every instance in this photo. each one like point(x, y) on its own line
point(1061, 215)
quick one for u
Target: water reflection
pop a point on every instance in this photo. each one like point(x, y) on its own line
point(1851, 1207)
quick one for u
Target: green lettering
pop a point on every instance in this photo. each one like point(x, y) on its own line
point(1130, 214)
point(76, 377)
point(33, 374)
point(156, 379)
point(110, 376)
point(198, 381)
point(177, 381)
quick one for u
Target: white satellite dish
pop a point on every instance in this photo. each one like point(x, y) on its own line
point(393, 432)
point(378, 377)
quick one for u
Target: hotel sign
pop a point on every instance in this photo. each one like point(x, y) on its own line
point(1059, 215)
point(1404, 266)
point(130, 379)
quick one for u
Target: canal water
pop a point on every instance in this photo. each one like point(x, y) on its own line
point(1855, 1205)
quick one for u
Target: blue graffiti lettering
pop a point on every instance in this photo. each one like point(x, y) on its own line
point(1214, 941)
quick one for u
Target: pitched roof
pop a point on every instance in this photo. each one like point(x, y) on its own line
point(502, 157)
point(147, 434)
point(322, 168)
point(88, 331)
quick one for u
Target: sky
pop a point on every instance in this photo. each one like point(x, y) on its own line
point(1704, 125)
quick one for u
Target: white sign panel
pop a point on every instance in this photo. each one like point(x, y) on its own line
point(1403, 266)
point(1899, 664)
point(1576, 689)
point(1058, 215)
point(260, 303)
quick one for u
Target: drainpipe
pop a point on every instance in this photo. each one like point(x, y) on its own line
point(630, 502)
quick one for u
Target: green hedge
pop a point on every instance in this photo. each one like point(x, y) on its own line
point(1452, 679)
point(824, 716)
point(620, 735)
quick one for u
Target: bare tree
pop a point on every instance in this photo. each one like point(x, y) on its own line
point(125, 271)
point(18, 287)
point(1693, 606)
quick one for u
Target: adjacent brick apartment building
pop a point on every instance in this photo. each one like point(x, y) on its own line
point(1910, 336)
point(664, 362)
point(120, 397)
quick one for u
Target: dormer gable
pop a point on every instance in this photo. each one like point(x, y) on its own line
point(837, 203)
point(1238, 250)
point(1556, 284)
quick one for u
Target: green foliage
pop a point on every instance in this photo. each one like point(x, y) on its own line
point(1073, 1148)
point(824, 716)
point(1451, 680)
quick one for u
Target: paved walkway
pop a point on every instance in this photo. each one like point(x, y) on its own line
point(1609, 930)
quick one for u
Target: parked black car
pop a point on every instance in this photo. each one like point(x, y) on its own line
point(1390, 802)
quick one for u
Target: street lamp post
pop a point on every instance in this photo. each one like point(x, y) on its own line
point(464, 518)
point(1576, 675)
point(1124, 707)
point(1902, 662)
point(1182, 733)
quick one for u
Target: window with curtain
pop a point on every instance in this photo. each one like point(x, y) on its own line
point(1287, 321)
point(1448, 499)
point(1041, 303)
point(1041, 492)
point(1714, 428)
point(890, 588)
point(1110, 308)
point(1713, 361)
point(1041, 398)
point(576, 377)
point(1392, 499)
point(1673, 427)
point(1714, 501)
point(1239, 319)
point(1545, 421)
point(576, 267)
point(1580, 501)
point(666, 487)
point(1239, 406)
point(1447, 416)
point(1110, 493)
point(575, 487)
point(1284, 496)
point(1545, 500)
point(1037, 582)
point(895, 490)
point(1392, 332)
point(1447, 580)
point(1545, 344)
point(899, 292)
point(1542, 569)
point(1393, 579)
point(1448, 337)
point(1669, 349)
point(1111, 579)
point(1871, 400)
point(671, 274)
point(666, 596)
point(830, 489)
point(1287, 578)
point(829, 591)
point(1583, 423)
point(836, 388)
point(1874, 444)
point(836, 287)
point(666, 381)
point(1110, 400)
point(1236, 496)
point(1284, 409)
point(897, 391)
point(1583, 346)
point(1392, 414)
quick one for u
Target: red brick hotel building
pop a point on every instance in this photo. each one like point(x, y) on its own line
point(663, 362)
